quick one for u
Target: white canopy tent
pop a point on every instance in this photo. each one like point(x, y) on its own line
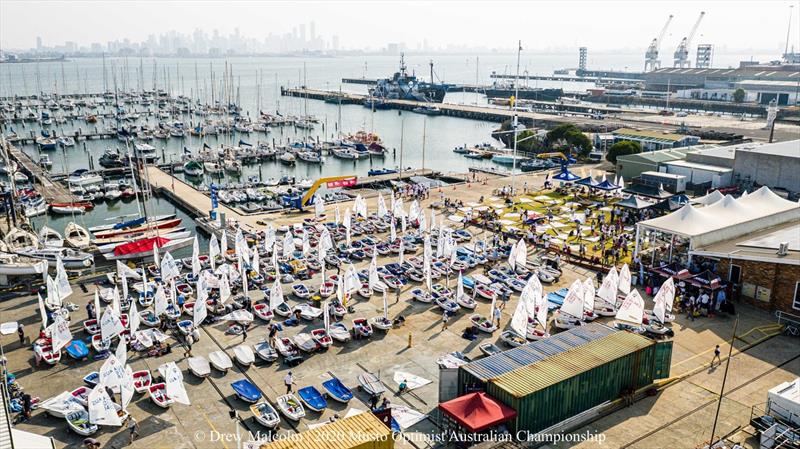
point(726, 218)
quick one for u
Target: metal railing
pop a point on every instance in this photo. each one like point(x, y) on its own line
point(790, 322)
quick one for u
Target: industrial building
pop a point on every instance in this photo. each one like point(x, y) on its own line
point(548, 381)
point(360, 431)
point(653, 140)
point(776, 165)
point(762, 272)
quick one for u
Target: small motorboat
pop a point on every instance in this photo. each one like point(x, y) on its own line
point(220, 361)
point(77, 349)
point(490, 349)
point(306, 342)
point(81, 394)
point(321, 337)
point(381, 322)
point(512, 339)
point(265, 352)
point(92, 379)
point(262, 311)
point(185, 326)
point(337, 391)
point(290, 407)
point(246, 391)
point(362, 327)
point(312, 398)
point(91, 327)
point(421, 295)
point(300, 291)
point(78, 422)
point(149, 318)
point(339, 332)
point(99, 345)
point(482, 323)
point(244, 355)
point(158, 393)
point(265, 415)
point(371, 384)
point(199, 366)
point(142, 380)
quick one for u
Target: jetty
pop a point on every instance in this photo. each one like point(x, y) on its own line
point(51, 190)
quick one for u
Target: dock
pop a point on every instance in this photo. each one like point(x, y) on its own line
point(52, 191)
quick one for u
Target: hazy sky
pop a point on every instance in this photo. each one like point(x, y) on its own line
point(546, 26)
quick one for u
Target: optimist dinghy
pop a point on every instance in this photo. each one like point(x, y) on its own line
point(306, 342)
point(370, 384)
point(482, 323)
point(220, 361)
point(490, 349)
point(185, 327)
point(421, 295)
point(81, 395)
point(381, 322)
point(199, 366)
point(91, 327)
point(287, 349)
point(77, 349)
point(265, 352)
point(362, 327)
point(244, 355)
point(262, 311)
point(337, 391)
point(60, 406)
point(290, 407)
point(246, 391)
point(78, 422)
point(512, 339)
point(265, 415)
point(142, 380)
point(99, 344)
point(339, 332)
point(92, 379)
point(312, 398)
point(321, 337)
point(158, 393)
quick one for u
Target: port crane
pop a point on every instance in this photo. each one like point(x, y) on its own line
point(651, 61)
point(682, 52)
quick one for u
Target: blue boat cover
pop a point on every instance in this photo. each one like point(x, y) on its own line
point(336, 388)
point(77, 349)
point(312, 397)
point(246, 390)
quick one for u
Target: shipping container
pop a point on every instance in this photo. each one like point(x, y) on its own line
point(473, 376)
point(663, 359)
point(362, 431)
point(556, 388)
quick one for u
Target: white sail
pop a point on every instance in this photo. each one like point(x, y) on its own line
point(632, 308)
point(59, 332)
point(110, 324)
point(460, 287)
point(521, 254)
point(174, 380)
point(97, 304)
point(223, 242)
point(625, 279)
point(127, 388)
point(62, 281)
point(101, 408)
point(275, 295)
point(663, 299)
point(112, 373)
point(195, 257)
point(573, 302)
point(200, 311)
point(122, 351)
point(423, 224)
point(402, 251)
point(373, 271)
point(133, 318)
point(224, 288)
point(588, 295)
point(608, 289)
point(306, 244)
point(156, 257)
point(519, 321)
point(414, 211)
point(385, 306)
point(392, 231)
point(255, 264)
point(319, 206)
point(346, 223)
point(403, 224)
point(42, 310)
point(288, 244)
point(116, 306)
point(127, 271)
point(351, 280)
point(337, 215)
point(381, 206)
point(213, 250)
point(269, 237)
point(124, 282)
point(160, 300)
point(169, 268)
point(326, 316)
point(53, 298)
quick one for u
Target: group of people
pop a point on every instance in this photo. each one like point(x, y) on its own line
point(413, 191)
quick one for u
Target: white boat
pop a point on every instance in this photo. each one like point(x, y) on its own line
point(244, 355)
point(158, 393)
point(34, 210)
point(213, 168)
point(69, 257)
point(13, 265)
point(287, 158)
point(78, 422)
point(84, 177)
point(380, 322)
point(339, 332)
point(290, 407)
point(265, 352)
point(265, 415)
point(19, 239)
point(482, 323)
point(199, 366)
point(50, 238)
point(220, 361)
point(305, 342)
point(512, 339)
point(76, 235)
point(142, 380)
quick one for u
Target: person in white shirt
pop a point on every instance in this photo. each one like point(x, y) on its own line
point(288, 380)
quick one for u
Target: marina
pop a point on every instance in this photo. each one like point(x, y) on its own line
point(220, 239)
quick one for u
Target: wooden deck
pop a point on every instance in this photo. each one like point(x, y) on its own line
point(52, 191)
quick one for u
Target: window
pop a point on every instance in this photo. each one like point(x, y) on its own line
point(796, 299)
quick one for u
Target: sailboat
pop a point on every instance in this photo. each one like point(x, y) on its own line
point(50, 238)
point(571, 311)
point(76, 235)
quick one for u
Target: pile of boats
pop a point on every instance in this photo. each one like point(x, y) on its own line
point(28, 253)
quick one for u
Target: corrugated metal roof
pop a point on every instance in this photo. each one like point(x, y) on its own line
point(346, 433)
point(529, 379)
point(496, 365)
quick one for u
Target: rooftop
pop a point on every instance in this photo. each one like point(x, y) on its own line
point(761, 246)
point(698, 166)
point(727, 152)
point(645, 134)
point(657, 156)
point(789, 148)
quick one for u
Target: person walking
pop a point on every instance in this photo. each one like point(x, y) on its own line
point(288, 380)
point(445, 318)
point(716, 357)
point(21, 334)
point(244, 333)
point(133, 428)
point(188, 349)
point(273, 332)
point(497, 315)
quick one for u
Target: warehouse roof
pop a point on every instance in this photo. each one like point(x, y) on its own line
point(350, 432)
point(651, 135)
point(761, 246)
point(657, 156)
point(530, 379)
point(699, 166)
point(789, 148)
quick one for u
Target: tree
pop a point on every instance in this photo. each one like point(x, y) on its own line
point(738, 95)
point(622, 148)
point(570, 136)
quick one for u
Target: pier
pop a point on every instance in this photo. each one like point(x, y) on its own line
point(52, 191)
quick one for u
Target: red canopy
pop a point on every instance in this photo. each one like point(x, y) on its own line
point(139, 246)
point(477, 411)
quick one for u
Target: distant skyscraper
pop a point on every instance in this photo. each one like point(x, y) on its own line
point(302, 28)
point(335, 43)
point(312, 30)
point(38, 43)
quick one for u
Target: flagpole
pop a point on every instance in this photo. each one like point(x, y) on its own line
point(514, 122)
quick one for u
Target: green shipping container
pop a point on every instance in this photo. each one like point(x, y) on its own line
point(663, 359)
point(559, 387)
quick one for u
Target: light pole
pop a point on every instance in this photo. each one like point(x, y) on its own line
point(514, 122)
